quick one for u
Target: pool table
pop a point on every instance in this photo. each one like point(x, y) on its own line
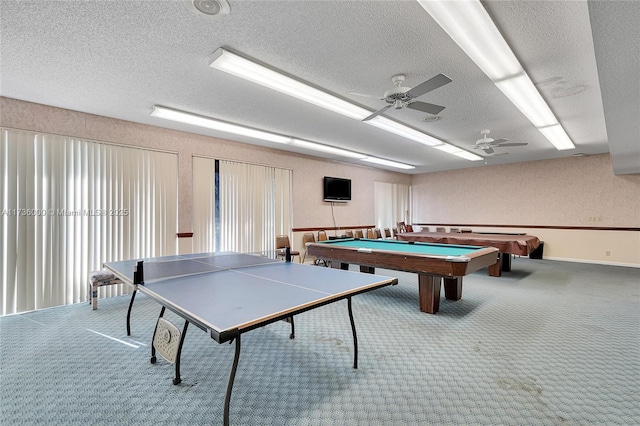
point(508, 244)
point(432, 263)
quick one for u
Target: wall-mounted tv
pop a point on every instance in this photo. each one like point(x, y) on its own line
point(337, 189)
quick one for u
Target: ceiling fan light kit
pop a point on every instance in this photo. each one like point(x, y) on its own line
point(400, 97)
point(487, 144)
point(470, 26)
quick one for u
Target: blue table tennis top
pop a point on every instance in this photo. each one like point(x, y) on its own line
point(255, 290)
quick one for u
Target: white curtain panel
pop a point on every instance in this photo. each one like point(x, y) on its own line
point(255, 205)
point(392, 204)
point(68, 205)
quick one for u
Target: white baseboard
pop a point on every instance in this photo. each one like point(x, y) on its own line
point(595, 262)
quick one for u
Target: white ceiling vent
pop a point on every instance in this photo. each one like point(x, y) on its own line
point(208, 8)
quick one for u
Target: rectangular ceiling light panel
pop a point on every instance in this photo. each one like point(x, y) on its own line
point(523, 94)
point(404, 131)
point(327, 149)
point(210, 123)
point(470, 26)
point(558, 137)
point(231, 63)
point(388, 163)
point(454, 150)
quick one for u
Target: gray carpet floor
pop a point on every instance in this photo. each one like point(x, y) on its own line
point(550, 343)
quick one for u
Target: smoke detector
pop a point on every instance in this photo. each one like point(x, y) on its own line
point(208, 8)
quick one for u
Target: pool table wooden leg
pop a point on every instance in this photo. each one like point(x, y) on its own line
point(505, 260)
point(339, 265)
point(495, 270)
point(367, 269)
point(453, 288)
point(429, 293)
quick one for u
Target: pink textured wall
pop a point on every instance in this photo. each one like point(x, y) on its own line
point(574, 191)
point(309, 209)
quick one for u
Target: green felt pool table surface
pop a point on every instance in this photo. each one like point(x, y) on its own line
point(406, 247)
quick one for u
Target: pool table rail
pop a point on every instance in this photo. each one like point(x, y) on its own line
point(431, 264)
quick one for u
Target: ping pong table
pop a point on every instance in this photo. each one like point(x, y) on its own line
point(228, 294)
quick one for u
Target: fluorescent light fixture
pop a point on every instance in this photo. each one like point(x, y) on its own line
point(450, 149)
point(558, 137)
point(327, 149)
point(388, 163)
point(524, 95)
point(210, 123)
point(232, 63)
point(470, 26)
point(404, 131)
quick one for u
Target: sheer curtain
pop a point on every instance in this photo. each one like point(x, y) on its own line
point(68, 205)
point(392, 204)
point(253, 205)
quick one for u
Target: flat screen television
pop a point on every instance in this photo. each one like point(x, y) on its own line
point(337, 189)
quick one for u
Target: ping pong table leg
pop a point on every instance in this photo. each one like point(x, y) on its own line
point(355, 337)
point(293, 330)
point(133, 296)
point(177, 379)
point(232, 376)
point(153, 338)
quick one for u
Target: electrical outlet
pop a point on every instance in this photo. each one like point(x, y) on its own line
point(607, 253)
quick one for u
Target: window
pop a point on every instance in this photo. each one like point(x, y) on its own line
point(68, 205)
point(239, 206)
point(392, 204)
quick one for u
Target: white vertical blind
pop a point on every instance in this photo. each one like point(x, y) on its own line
point(255, 205)
point(68, 205)
point(204, 213)
point(392, 204)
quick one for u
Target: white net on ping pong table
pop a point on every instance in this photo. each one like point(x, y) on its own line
point(201, 264)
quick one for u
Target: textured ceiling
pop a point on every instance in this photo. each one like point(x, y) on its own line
point(119, 58)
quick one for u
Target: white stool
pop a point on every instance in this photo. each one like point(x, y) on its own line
point(98, 279)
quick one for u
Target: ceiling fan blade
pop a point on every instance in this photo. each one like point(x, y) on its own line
point(378, 112)
point(498, 141)
point(426, 107)
point(514, 144)
point(488, 150)
point(429, 85)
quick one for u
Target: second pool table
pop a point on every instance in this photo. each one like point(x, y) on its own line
point(508, 244)
point(432, 263)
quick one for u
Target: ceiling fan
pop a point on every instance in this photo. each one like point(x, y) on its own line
point(400, 97)
point(487, 144)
